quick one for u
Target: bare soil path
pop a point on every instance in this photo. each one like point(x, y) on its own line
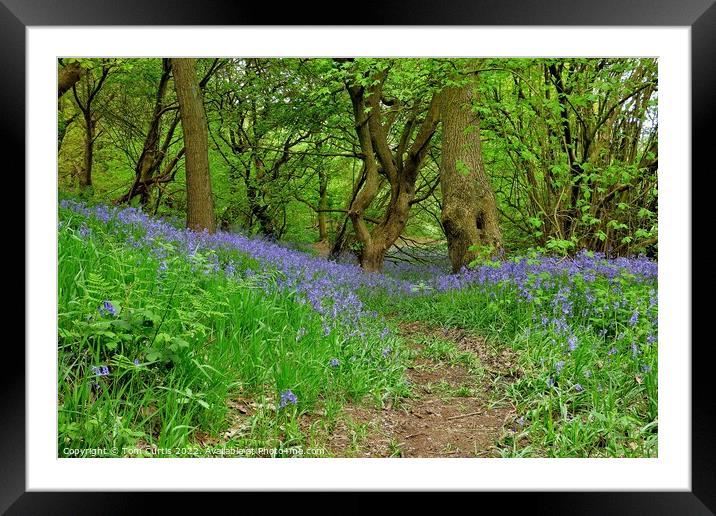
point(457, 407)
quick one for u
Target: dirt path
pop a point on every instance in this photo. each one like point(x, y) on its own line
point(457, 408)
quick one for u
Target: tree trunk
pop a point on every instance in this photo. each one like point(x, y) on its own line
point(200, 203)
point(152, 156)
point(86, 175)
point(400, 166)
point(371, 259)
point(92, 88)
point(469, 213)
point(62, 129)
point(68, 77)
point(322, 205)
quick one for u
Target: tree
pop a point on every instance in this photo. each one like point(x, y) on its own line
point(200, 202)
point(399, 166)
point(148, 169)
point(265, 125)
point(92, 86)
point(575, 144)
point(469, 212)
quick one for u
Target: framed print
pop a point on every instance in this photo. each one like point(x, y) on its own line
point(657, 58)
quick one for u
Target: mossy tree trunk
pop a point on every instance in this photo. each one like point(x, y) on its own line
point(469, 213)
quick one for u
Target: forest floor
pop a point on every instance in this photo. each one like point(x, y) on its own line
point(457, 406)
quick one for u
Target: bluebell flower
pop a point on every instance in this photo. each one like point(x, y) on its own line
point(559, 366)
point(386, 352)
point(572, 343)
point(287, 397)
point(136, 362)
point(107, 308)
point(634, 318)
point(645, 368)
point(100, 370)
point(578, 387)
point(334, 362)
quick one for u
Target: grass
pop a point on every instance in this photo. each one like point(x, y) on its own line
point(157, 345)
point(596, 400)
point(178, 342)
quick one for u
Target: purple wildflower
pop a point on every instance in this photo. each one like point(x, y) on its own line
point(287, 397)
point(578, 387)
point(572, 343)
point(560, 365)
point(100, 370)
point(645, 368)
point(107, 308)
point(386, 352)
point(634, 318)
point(334, 362)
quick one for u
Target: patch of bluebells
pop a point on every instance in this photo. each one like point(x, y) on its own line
point(332, 288)
point(329, 287)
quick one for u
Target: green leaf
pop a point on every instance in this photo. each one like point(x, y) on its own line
point(462, 167)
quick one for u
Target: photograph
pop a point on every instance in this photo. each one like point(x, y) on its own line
point(429, 251)
point(357, 257)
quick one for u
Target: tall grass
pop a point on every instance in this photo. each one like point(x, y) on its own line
point(587, 351)
point(161, 331)
point(151, 346)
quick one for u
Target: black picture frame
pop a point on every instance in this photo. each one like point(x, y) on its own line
point(700, 15)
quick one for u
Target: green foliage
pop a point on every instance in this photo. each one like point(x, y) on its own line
point(483, 255)
point(599, 399)
point(178, 343)
point(274, 123)
point(462, 167)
